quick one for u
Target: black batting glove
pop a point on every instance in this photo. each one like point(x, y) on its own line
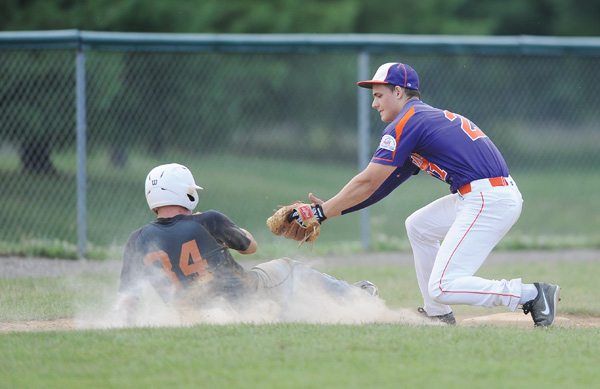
point(317, 211)
point(319, 214)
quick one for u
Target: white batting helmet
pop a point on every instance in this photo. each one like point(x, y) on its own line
point(171, 184)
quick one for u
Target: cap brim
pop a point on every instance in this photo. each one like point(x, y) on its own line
point(369, 84)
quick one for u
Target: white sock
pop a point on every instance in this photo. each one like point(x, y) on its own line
point(528, 293)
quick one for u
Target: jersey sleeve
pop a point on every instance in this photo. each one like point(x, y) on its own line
point(130, 283)
point(397, 177)
point(225, 231)
point(398, 139)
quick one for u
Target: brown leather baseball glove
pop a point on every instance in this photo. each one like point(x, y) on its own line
point(298, 221)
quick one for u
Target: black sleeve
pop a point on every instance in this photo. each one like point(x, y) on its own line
point(130, 273)
point(225, 231)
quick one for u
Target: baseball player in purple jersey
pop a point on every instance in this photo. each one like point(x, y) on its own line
point(483, 205)
point(186, 258)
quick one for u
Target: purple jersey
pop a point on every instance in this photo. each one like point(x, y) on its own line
point(445, 145)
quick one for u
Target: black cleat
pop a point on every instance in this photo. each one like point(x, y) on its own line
point(446, 319)
point(542, 308)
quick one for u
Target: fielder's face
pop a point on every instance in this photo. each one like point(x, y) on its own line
point(386, 102)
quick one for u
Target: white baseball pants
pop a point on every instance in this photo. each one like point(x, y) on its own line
point(469, 227)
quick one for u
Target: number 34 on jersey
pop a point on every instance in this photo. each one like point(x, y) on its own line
point(190, 262)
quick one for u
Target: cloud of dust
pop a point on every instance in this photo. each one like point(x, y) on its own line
point(307, 302)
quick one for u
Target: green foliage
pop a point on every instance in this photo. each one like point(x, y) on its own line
point(39, 116)
point(277, 16)
point(456, 17)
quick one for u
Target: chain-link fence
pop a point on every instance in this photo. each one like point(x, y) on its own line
point(262, 120)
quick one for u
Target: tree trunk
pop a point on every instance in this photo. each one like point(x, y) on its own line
point(119, 156)
point(35, 158)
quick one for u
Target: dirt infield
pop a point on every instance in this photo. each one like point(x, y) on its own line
point(12, 267)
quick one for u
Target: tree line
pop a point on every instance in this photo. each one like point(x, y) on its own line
point(451, 17)
point(36, 125)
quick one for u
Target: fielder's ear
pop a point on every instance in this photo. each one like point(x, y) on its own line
point(399, 91)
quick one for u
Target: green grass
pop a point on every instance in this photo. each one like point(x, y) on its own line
point(295, 355)
point(302, 356)
point(40, 212)
point(66, 296)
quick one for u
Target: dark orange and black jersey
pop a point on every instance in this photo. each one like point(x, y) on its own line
point(174, 253)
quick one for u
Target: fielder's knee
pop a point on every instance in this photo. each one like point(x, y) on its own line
point(411, 226)
point(436, 291)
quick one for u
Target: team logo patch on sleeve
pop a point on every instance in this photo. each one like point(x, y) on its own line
point(388, 143)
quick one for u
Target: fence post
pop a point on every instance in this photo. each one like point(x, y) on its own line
point(81, 152)
point(363, 140)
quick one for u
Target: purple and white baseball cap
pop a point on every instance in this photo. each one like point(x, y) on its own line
point(394, 73)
